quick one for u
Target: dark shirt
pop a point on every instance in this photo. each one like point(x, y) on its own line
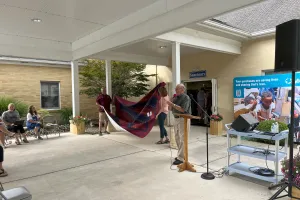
point(105, 101)
point(184, 102)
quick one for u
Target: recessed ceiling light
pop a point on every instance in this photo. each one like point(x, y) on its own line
point(162, 47)
point(36, 20)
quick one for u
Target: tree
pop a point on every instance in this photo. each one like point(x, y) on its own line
point(128, 79)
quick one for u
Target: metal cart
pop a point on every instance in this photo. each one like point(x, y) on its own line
point(243, 150)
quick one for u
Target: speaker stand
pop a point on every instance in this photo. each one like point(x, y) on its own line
point(289, 183)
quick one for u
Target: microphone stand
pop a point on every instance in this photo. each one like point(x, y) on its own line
point(207, 175)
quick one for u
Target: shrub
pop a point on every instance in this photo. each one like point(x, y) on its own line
point(65, 114)
point(21, 107)
point(43, 113)
point(266, 126)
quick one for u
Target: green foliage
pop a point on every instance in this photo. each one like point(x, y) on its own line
point(128, 79)
point(295, 171)
point(65, 114)
point(77, 120)
point(266, 126)
point(43, 113)
point(21, 107)
point(216, 117)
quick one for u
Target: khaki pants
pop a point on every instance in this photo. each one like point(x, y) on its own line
point(103, 117)
point(179, 136)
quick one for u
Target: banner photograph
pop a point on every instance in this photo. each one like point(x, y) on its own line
point(266, 97)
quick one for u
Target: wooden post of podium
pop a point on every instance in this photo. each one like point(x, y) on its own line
point(186, 165)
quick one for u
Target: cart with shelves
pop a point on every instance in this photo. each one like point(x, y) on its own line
point(259, 153)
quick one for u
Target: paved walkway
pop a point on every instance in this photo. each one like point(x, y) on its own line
point(121, 166)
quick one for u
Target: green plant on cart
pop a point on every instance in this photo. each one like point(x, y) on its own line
point(265, 126)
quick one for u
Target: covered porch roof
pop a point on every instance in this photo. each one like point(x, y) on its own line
point(109, 29)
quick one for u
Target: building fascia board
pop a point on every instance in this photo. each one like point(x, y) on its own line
point(159, 18)
point(198, 39)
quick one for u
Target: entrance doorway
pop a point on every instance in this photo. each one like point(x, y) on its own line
point(205, 93)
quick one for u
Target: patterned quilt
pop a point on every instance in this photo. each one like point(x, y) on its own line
point(138, 118)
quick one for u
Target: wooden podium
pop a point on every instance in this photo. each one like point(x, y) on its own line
point(186, 165)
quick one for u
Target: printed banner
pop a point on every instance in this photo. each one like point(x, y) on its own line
point(266, 97)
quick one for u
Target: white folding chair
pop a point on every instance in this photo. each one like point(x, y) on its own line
point(19, 193)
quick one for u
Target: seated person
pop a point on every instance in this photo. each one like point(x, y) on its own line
point(9, 118)
point(32, 122)
point(265, 109)
point(3, 131)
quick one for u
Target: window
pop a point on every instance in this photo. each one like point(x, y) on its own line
point(50, 95)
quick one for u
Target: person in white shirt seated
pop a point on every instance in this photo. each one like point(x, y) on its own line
point(33, 122)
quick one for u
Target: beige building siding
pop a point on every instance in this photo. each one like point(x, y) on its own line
point(23, 83)
point(256, 56)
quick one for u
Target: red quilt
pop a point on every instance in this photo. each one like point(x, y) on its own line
point(138, 118)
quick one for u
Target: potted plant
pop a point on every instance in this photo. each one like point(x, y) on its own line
point(266, 125)
point(77, 124)
point(216, 124)
point(296, 174)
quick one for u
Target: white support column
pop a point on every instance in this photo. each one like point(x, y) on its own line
point(110, 127)
point(175, 65)
point(175, 81)
point(75, 88)
point(108, 77)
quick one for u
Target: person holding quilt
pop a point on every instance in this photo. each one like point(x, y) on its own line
point(162, 115)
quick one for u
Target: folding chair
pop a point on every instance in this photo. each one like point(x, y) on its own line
point(19, 193)
point(50, 125)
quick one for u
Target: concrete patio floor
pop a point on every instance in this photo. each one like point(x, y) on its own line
point(121, 166)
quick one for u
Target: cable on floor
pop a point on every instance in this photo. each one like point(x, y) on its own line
point(218, 173)
point(82, 165)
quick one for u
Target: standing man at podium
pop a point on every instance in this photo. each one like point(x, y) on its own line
point(181, 105)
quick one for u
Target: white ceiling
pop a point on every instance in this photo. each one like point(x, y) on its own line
point(152, 48)
point(76, 29)
point(63, 20)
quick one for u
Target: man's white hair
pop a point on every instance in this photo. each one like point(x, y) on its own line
point(182, 86)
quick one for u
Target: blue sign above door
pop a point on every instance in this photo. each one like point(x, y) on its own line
point(198, 74)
